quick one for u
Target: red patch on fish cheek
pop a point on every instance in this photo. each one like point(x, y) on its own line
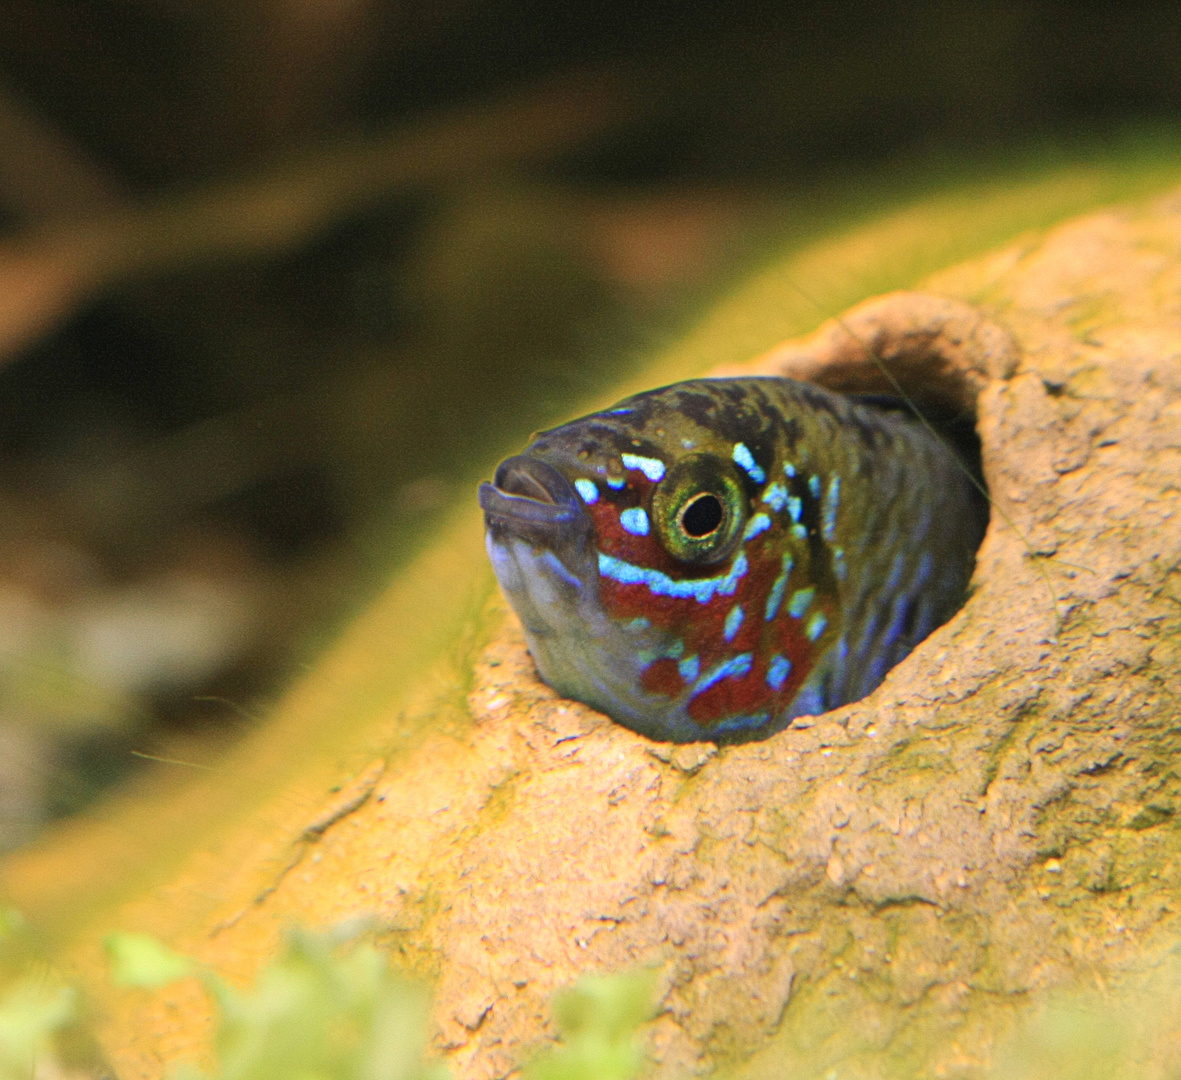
point(801, 653)
point(732, 697)
point(751, 693)
point(625, 602)
point(701, 627)
point(793, 637)
point(663, 677)
point(752, 593)
point(613, 539)
point(609, 533)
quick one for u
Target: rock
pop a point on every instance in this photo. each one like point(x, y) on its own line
point(997, 818)
point(876, 890)
point(973, 831)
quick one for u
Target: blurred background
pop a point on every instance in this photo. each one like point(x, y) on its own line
point(279, 279)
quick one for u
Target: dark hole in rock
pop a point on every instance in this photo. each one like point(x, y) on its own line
point(927, 357)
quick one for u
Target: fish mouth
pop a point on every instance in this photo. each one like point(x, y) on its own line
point(532, 501)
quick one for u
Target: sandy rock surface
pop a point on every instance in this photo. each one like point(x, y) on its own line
point(881, 887)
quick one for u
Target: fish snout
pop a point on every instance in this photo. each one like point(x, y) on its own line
point(531, 500)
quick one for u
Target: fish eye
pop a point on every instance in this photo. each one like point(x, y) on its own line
point(699, 509)
point(702, 515)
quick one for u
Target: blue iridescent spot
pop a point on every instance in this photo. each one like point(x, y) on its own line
point(743, 457)
point(794, 507)
point(615, 482)
point(814, 486)
point(689, 668)
point(639, 624)
point(816, 626)
point(588, 489)
point(778, 671)
point(831, 501)
point(652, 468)
point(776, 497)
point(800, 600)
point(729, 583)
point(840, 567)
point(775, 597)
point(703, 590)
point(789, 469)
point(634, 520)
point(757, 524)
point(733, 622)
point(799, 532)
point(734, 668)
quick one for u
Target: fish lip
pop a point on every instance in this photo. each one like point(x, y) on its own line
point(531, 500)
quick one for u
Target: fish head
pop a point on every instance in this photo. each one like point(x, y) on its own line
point(636, 548)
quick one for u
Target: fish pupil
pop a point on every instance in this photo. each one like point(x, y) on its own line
point(702, 516)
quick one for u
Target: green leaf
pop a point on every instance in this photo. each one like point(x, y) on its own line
point(322, 1012)
point(30, 1014)
point(599, 1018)
point(142, 960)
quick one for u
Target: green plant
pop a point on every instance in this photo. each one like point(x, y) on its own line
point(35, 1005)
point(330, 1008)
point(33, 1011)
point(599, 1018)
point(327, 1009)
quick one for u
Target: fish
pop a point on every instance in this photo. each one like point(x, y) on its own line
point(715, 559)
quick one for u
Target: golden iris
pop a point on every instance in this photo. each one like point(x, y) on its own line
point(699, 509)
